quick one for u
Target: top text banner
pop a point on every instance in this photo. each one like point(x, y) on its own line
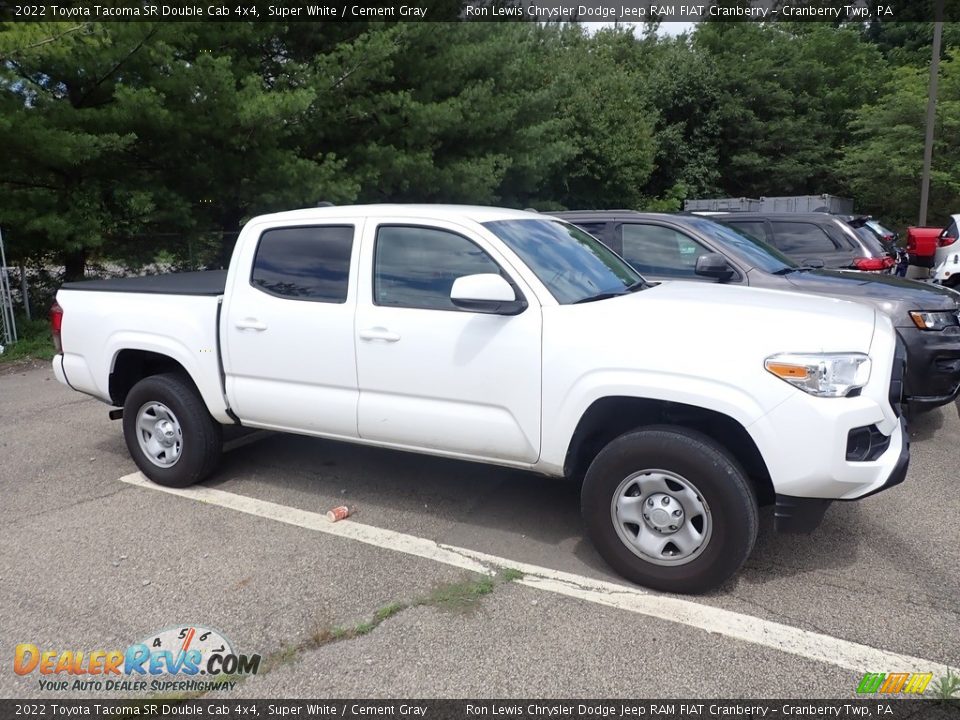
point(834, 11)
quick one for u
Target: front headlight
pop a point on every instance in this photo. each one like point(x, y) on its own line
point(822, 374)
point(933, 320)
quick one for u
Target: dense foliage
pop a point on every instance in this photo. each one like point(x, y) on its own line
point(132, 142)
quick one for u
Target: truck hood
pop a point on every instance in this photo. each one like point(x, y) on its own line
point(710, 318)
point(877, 289)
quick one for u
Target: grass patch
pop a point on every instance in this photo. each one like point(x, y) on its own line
point(459, 596)
point(389, 611)
point(365, 628)
point(34, 342)
point(368, 626)
point(947, 687)
point(339, 633)
point(285, 655)
point(321, 636)
point(509, 575)
point(219, 680)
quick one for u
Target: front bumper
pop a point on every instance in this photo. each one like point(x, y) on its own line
point(803, 515)
point(933, 365)
point(839, 448)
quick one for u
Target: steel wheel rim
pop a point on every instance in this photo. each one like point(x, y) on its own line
point(159, 434)
point(661, 517)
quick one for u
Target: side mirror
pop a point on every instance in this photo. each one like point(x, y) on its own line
point(812, 263)
point(486, 293)
point(714, 265)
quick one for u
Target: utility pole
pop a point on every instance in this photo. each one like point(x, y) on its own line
point(931, 112)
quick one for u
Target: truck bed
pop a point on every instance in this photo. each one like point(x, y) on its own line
point(207, 282)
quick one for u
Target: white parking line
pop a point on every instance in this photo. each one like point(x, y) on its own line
point(785, 638)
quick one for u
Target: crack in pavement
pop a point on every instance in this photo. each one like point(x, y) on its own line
point(76, 503)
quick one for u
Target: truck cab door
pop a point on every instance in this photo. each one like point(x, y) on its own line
point(287, 329)
point(432, 375)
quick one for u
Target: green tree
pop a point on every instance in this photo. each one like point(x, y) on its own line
point(787, 91)
point(908, 40)
point(460, 112)
point(681, 83)
point(123, 130)
point(65, 144)
point(609, 121)
point(883, 161)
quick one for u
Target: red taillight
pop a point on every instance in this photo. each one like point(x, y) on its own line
point(56, 323)
point(889, 262)
point(862, 263)
point(945, 240)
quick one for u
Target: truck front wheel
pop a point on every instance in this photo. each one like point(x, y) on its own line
point(169, 433)
point(667, 508)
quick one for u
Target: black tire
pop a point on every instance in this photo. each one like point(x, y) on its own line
point(202, 436)
point(716, 477)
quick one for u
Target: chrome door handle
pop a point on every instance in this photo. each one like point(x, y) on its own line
point(379, 333)
point(251, 324)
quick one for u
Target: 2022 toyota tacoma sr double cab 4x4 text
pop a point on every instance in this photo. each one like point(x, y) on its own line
point(510, 338)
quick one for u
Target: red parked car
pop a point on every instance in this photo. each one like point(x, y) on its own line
point(922, 245)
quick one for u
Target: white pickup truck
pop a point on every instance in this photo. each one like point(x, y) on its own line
point(510, 338)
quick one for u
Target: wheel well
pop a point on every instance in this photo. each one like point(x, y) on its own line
point(611, 417)
point(132, 366)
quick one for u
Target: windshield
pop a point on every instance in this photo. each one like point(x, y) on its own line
point(573, 265)
point(755, 252)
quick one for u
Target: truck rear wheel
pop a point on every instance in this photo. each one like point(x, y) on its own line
point(667, 508)
point(169, 433)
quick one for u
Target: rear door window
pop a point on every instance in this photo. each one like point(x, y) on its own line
point(304, 263)
point(801, 238)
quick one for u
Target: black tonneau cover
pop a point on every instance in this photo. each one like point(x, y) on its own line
point(208, 282)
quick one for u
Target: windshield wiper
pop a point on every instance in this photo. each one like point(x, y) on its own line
point(638, 285)
point(600, 296)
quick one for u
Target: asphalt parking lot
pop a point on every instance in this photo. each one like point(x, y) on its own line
point(91, 557)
